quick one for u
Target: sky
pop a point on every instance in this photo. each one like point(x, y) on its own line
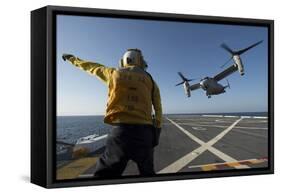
point(168, 47)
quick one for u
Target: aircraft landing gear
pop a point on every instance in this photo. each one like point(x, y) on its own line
point(207, 94)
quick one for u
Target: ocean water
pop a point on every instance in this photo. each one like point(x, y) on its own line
point(71, 128)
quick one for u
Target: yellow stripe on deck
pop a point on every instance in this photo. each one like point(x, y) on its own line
point(75, 168)
point(215, 166)
point(258, 161)
point(209, 167)
point(233, 164)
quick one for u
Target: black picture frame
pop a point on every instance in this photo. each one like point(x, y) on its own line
point(43, 93)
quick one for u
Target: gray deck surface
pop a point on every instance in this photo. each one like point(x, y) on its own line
point(201, 143)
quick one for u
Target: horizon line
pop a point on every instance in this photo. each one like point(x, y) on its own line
point(170, 113)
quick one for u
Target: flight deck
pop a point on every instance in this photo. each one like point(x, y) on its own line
point(190, 143)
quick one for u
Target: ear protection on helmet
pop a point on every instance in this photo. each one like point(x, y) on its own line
point(141, 61)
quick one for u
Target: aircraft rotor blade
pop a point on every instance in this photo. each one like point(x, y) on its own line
point(245, 49)
point(226, 62)
point(182, 77)
point(224, 46)
point(180, 83)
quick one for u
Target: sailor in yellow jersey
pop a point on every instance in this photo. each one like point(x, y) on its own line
point(132, 93)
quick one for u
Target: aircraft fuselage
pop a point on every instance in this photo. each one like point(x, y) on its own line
point(212, 87)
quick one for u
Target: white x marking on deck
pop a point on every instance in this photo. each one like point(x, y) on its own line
point(183, 161)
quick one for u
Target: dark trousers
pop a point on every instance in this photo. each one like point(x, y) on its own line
point(124, 143)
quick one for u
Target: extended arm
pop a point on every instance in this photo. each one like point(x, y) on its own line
point(99, 70)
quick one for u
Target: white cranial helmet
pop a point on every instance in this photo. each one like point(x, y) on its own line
point(133, 57)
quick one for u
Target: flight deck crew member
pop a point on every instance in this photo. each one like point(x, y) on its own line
point(132, 93)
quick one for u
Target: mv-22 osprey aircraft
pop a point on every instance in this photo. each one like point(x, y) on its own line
point(210, 84)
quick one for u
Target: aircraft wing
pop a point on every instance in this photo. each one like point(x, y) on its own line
point(195, 86)
point(226, 72)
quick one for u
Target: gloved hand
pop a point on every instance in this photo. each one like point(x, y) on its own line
point(67, 56)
